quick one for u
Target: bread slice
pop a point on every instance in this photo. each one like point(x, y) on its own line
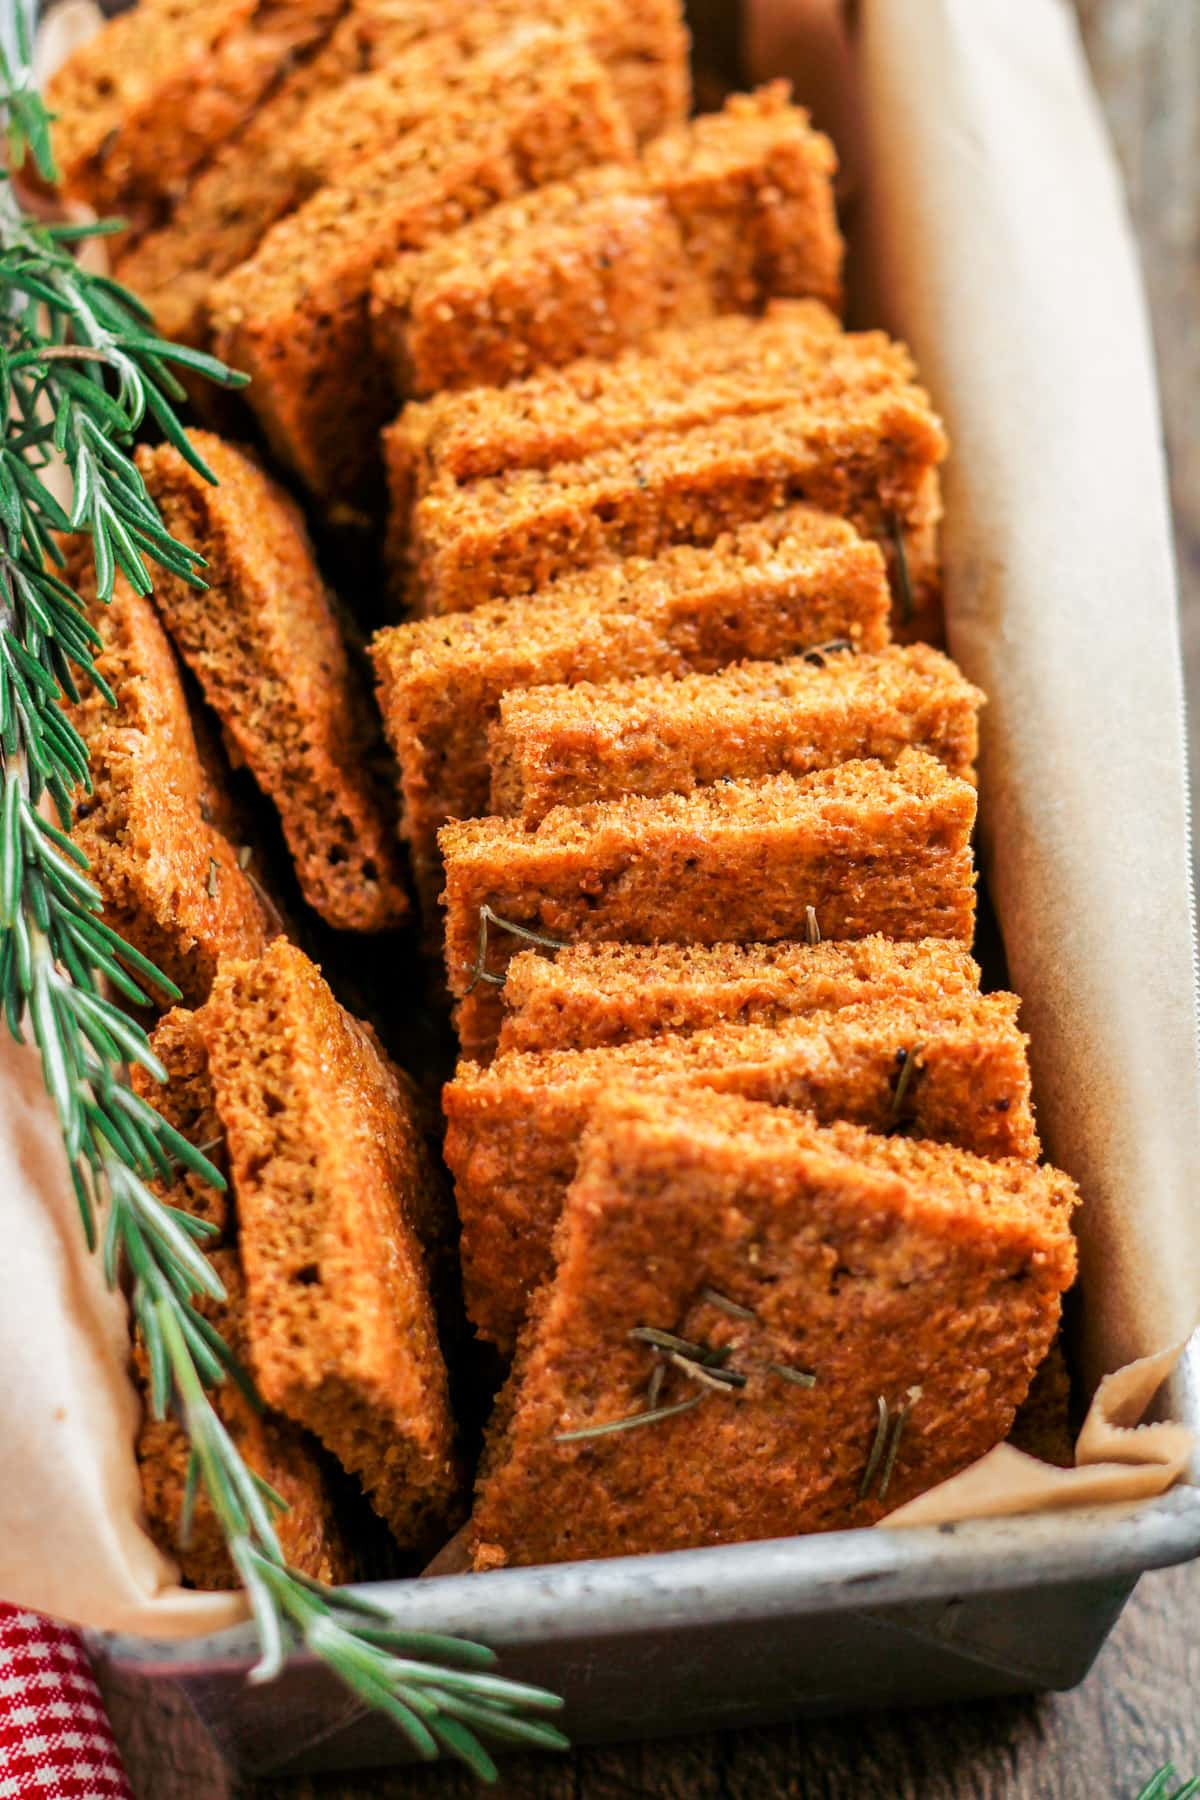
point(722, 214)
point(578, 268)
point(644, 49)
point(865, 847)
point(172, 882)
point(661, 734)
point(951, 1068)
point(773, 587)
point(147, 99)
point(842, 1280)
point(536, 108)
point(497, 491)
point(264, 644)
point(589, 995)
point(752, 189)
point(332, 1183)
point(308, 1532)
point(729, 366)
point(233, 199)
point(416, 56)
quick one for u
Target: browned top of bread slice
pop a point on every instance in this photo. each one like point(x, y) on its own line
point(329, 1168)
point(535, 108)
point(791, 580)
point(658, 734)
point(731, 366)
point(868, 847)
point(264, 643)
point(952, 1067)
point(875, 1270)
point(234, 198)
point(644, 47)
point(593, 994)
point(144, 101)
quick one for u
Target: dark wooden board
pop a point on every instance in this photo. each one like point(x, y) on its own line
point(1138, 1707)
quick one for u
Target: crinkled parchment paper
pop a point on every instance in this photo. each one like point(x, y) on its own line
point(991, 235)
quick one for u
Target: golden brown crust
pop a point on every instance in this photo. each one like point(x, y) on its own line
point(140, 105)
point(767, 590)
point(578, 268)
point(817, 1234)
point(726, 367)
point(644, 49)
point(171, 881)
point(752, 189)
point(723, 214)
point(659, 734)
point(329, 1168)
point(308, 1532)
point(536, 108)
point(951, 1068)
point(230, 203)
point(593, 994)
point(264, 644)
point(497, 491)
point(867, 847)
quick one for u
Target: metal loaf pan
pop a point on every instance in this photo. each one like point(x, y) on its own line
point(653, 1645)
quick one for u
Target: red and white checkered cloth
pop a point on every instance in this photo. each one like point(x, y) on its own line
point(55, 1739)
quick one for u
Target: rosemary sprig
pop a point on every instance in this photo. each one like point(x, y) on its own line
point(1159, 1784)
point(885, 1445)
point(489, 919)
point(81, 369)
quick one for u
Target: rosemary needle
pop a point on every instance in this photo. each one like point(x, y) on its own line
point(724, 1304)
point(630, 1423)
point(889, 1462)
point(877, 1447)
point(488, 918)
point(798, 1377)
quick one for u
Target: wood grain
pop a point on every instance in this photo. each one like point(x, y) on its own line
point(1138, 1706)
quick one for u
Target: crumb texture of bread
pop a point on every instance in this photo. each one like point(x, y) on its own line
point(170, 879)
point(571, 744)
point(498, 490)
point(589, 995)
point(264, 644)
point(308, 1531)
point(327, 1161)
point(770, 589)
point(231, 202)
point(951, 1068)
point(752, 189)
point(723, 214)
point(146, 100)
point(866, 847)
point(644, 50)
point(881, 1268)
point(576, 269)
point(295, 315)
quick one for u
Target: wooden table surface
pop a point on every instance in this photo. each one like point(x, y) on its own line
point(1138, 1707)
